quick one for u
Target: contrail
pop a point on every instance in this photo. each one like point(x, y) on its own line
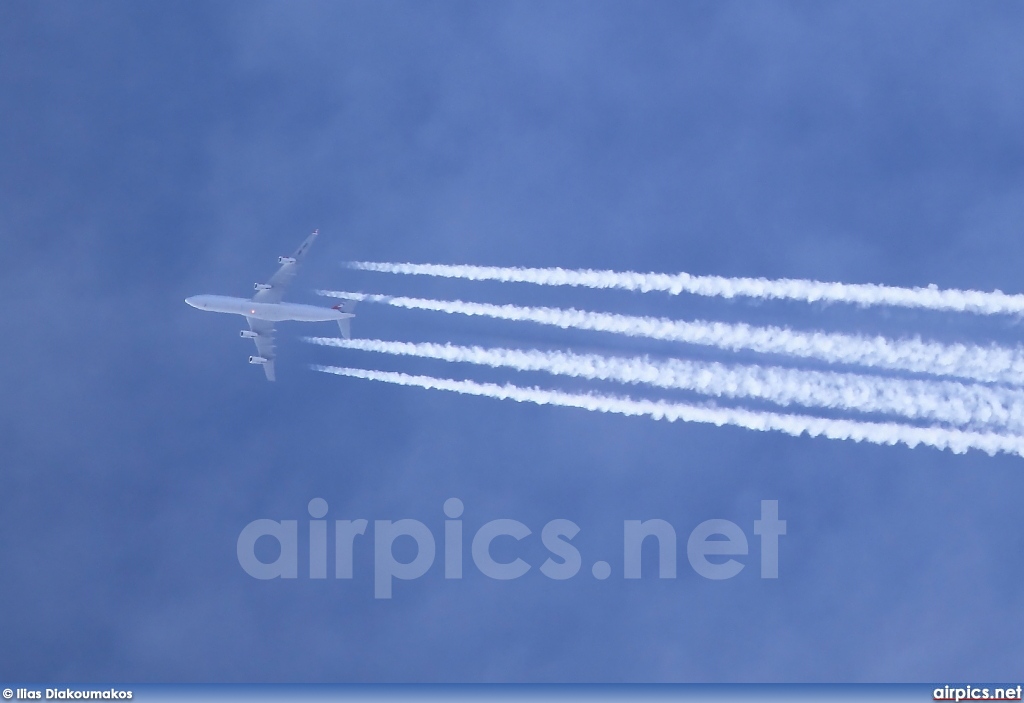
point(864, 294)
point(988, 364)
point(957, 441)
point(935, 401)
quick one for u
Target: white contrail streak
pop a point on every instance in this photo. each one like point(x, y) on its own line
point(864, 294)
point(957, 441)
point(934, 401)
point(989, 364)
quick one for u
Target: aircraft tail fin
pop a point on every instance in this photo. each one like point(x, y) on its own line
point(345, 324)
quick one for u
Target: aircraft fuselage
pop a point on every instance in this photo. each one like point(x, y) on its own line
point(275, 312)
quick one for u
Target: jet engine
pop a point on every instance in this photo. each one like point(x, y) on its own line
point(262, 286)
point(248, 334)
point(285, 260)
point(258, 360)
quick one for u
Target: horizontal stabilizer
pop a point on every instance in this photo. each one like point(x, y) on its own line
point(348, 305)
point(346, 324)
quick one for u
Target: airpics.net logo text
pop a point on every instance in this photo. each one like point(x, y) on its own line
point(715, 549)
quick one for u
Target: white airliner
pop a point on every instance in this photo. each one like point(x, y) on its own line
point(265, 308)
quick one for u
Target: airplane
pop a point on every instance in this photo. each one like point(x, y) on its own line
point(265, 308)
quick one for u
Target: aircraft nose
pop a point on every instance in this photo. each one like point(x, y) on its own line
point(191, 301)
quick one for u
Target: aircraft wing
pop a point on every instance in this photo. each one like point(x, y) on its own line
point(278, 283)
point(264, 339)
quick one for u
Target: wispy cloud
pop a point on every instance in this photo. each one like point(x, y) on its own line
point(934, 401)
point(865, 294)
point(957, 441)
point(988, 364)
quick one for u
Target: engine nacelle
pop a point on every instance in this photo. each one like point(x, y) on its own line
point(248, 334)
point(258, 360)
point(262, 286)
point(285, 260)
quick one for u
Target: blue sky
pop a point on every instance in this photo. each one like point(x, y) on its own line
point(153, 151)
